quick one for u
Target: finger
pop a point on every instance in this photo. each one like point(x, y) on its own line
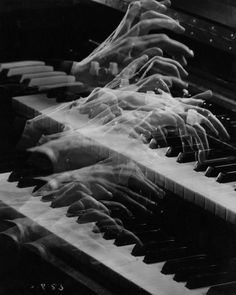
point(108, 118)
point(136, 208)
point(117, 208)
point(150, 14)
point(93, 215)
point(53, 194)
point(166, 68)
point(68, 199)
point(175, 82)
point(132, 12)
point(90, 203)
point(153, 5)
point(167, 3)
point(145, 187)
point(145, 201)
point(181, 59)
point(152, 83)
point(168, 44)
point(99, 192)
point(152, 52)
point(159, 65)
point(159, 136)
point(209, 125)
point(144, 124)
point(133, 67)
point(145, 26)
point(181, 69)
point(96, 110)
point(61, 189)
point(80, 207)
point(75, 209)
point(203, 95)
point(152, 40)
point(223, 134)
point(203, 137)
point(193, 133)
point(191, 101)
point(94, 94)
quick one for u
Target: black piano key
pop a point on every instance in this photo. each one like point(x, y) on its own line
point(112, 232)
point(213, 154)
point(153, 144)
point(172, 266)
point(28, 182)
point(186, 157)
point(14, 176)
point(185, 274)
point(141, 250)
point(209, 266)
point(224, 289)
point(48, 197)
point(118, 210)
point(137, 225)
point(166, 253)
point(104, 225)
point(202, 166)
point(135, 207)
point(174, 141)
point(29, 172)
point(127, 238)
point(151, 235)
point(173, 151)
point(214, 171)
point(37, 187)
point(226, 177)
point(6, 167)
point(210, 279)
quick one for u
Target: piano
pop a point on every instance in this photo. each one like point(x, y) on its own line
point(199, 208)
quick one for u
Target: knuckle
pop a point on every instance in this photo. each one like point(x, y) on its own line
point(163, 37)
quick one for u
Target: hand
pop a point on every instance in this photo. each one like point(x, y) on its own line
point(142, 71)
point(71, 151)
point(130, 40)
point(84, 190)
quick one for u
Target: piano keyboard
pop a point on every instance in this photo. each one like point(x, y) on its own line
point(180, 178)
point(37, 77)
point(117, 261)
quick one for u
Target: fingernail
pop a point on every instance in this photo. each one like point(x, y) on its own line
point(191, 53)
point(209, 92)
point(163, 7)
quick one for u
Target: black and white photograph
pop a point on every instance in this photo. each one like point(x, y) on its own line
point(118, 147)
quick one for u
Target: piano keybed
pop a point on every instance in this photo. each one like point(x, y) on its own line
point(169, 167)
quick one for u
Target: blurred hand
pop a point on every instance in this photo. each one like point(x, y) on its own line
point(131, 40)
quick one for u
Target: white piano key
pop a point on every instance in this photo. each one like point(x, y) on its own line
point(29, 69)
point(41, 74)
point(17, 64)
point(67, 84)
point(52, 80)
